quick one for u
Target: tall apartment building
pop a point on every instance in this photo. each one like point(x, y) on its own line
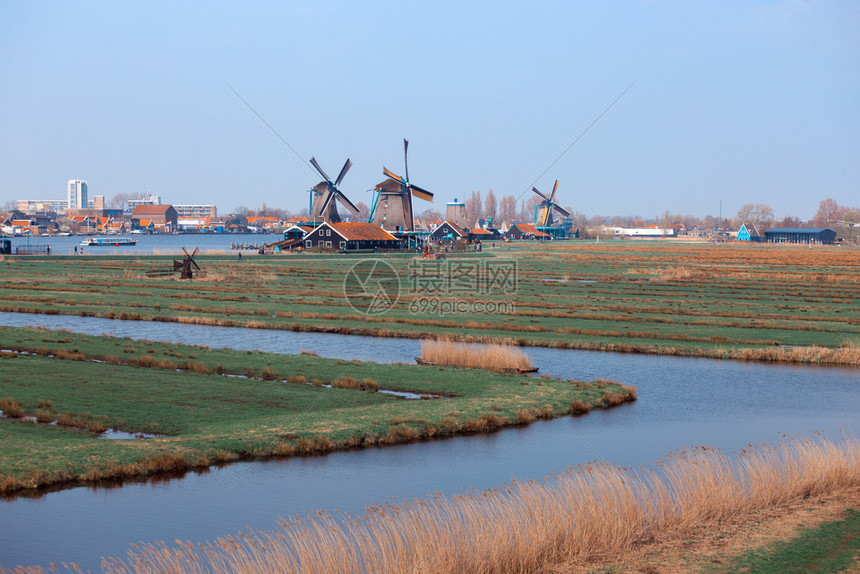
point(195, 211)
point(77, 195)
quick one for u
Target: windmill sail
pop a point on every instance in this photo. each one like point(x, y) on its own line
point(544, 209)
point(392, 204)
point(326, 194)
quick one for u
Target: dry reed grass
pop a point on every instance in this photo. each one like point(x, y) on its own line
point(492, 357)
point(352, 383)
point(587, 512)
point(11, 408)
point(848, 354)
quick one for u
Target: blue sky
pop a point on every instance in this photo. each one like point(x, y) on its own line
point(734, 101)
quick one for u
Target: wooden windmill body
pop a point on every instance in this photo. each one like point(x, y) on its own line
point(187, 265)
point(544, 209)
point(325, 195)
point(392, 202)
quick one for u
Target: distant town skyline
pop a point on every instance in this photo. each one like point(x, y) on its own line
point(744, 103)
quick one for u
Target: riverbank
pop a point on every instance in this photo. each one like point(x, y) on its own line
point(810, 534)
point(219, 405)
point(586, 519)
point(769, 303)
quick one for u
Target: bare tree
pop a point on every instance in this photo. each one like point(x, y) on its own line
point(363, 211)
point(490, 205)
point(507, 208)
point(828, 210)
point(529, 205)
point(269, 211)
point(430, 213)
point(757, 214)
point(474, 207)
point(120, 200)
point(789, 221)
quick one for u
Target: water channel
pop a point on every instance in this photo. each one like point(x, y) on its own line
point(682, 401)
point(168, 244)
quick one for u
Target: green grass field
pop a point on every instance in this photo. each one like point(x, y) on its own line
point(731, 301)
point(272, 405)
point(830, 547)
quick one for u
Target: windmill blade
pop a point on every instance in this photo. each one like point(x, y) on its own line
point(194, 263)
point(554, 189)
point(421, 193)
point(319, 169)
point(393, 176)
point(405, 160)
point(347, 203)
point(343, 171)
point(561, 210)
point(185, 251)
point(193, 253)
point(545, 198)
point(328, 199)
point(545, 215)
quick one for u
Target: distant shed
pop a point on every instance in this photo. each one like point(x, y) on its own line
point(748, 233)
point(818, 236)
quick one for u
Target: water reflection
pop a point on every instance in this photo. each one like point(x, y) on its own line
point(682, 401)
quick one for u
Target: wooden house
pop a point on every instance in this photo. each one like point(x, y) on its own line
point(748, 233)
point(525, 231)
point(297, 231)
point(448, 231)
point(350, 236)
point(479, 234)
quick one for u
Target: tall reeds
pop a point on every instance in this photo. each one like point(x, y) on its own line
point(493, 357)
point(587, 512)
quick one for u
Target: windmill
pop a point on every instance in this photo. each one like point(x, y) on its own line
point(392, 204)
point(543, 210)
point(325, 194)
point(184, 266)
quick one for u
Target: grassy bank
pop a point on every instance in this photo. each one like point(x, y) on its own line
point(829, 547)
point(217, 405)
point(753, 302)
point(584, 514)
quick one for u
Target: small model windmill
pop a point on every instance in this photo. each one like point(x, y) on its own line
point(325, 194)
point(543, 211)
point(392, 204)
point(184, 266)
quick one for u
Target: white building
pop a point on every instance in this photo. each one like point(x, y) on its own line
point(77, 194)
point(33, 205)
point(652, 232)
point(195, 211)
point(151, 200)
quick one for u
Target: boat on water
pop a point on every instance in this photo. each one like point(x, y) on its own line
point(107, 241)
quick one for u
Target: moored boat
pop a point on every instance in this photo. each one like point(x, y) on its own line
point(108, 241)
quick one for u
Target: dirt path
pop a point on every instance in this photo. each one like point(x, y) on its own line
point(713, 547)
